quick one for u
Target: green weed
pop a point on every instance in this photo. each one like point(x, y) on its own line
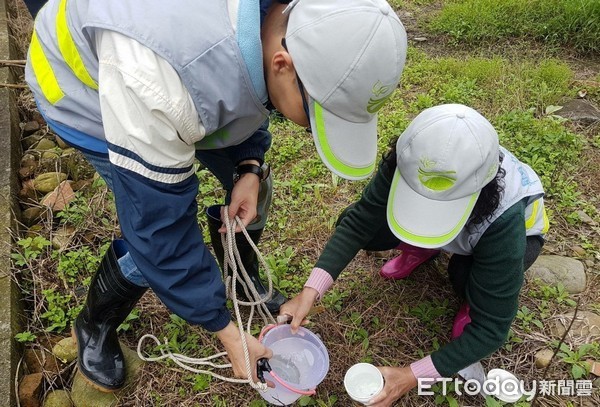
point(334, 299)
point(490, 85)
point(527, 318)
point(555, 22)
point(429, 313)
point(59, 313)
point(77, 212)
point(30, 248)
point(576, 358)
point(77, 265)
point(309, 401)
point(511, 341)
point(179, 336)
point(357, 334)
point(25, 337)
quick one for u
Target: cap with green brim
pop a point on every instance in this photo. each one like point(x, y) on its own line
point(349, 55)
point(444, 158)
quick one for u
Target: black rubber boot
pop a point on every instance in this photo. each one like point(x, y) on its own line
point(248, 256)
point(110, 299)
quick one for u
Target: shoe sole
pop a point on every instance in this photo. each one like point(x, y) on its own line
point(93, 384)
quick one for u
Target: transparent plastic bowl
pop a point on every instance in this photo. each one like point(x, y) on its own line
point(300, 360)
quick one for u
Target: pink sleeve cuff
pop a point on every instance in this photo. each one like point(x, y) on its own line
point(424, 369)
point(320, 280)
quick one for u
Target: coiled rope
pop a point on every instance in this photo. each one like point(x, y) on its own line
point(233, 261)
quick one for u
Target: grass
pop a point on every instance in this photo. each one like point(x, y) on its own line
point(365, 318)
point(569, 23)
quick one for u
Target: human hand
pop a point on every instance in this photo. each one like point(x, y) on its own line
point(244, 198)
point(231, 340)
point(398, 382)
point(299, 307)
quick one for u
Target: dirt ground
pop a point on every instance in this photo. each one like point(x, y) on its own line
point(385, 313)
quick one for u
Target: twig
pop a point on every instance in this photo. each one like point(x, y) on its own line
point(12, 86)
point(562, 340)
point(17, 381)
point(13, 61)
point(593, 83)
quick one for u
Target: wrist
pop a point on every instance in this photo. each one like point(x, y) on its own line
point(250, 168)
point(229, 334)
point(249, 161)
point(310, 293)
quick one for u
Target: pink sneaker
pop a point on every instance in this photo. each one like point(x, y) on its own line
point(461, 320)
point(411, 257)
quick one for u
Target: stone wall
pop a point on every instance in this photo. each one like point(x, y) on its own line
point(9, 160)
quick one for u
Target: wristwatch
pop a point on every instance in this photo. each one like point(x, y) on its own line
point(261, 171)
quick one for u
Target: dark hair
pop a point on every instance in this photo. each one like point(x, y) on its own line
point(488, 200)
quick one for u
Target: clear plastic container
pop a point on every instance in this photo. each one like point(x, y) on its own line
point(300, 360)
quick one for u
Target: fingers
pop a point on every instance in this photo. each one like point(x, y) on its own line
point(241, 210)
point(296, 322)
point(378, 400)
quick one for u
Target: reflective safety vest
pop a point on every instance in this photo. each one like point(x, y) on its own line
point(196, 38)
point(520, 182)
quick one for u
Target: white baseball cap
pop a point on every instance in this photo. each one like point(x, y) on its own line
point(445, 157)
point(349, 55)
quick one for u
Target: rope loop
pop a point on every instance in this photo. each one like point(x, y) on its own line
point(232, 261)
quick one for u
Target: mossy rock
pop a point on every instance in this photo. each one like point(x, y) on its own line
point(45, 145)
point(49, 181)
point(65, 350)
point(58, 398)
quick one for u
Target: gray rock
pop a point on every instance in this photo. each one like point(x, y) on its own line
point(585, 218)
point(30, 141)
point(580, 110)
point(542, 358)
point(420, 39)
point(587, 325)
point(557, 269)
point(31, 216)
point(65, 349)
point(30, 127)
point(62, 237)
point(58, 398)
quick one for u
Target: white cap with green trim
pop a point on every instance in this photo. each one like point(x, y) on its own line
point(349, 55)
point(445, 157)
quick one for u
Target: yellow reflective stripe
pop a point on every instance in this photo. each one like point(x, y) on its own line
point(68, 49)
point(546, 222)
point(355, 172)
point(43, 71)
point(529, 222)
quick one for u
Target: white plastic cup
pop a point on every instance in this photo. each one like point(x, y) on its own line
point(363, 381)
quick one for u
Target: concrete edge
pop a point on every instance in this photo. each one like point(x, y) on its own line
point(10, 154)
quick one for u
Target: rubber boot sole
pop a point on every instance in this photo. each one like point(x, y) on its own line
point(93, 384)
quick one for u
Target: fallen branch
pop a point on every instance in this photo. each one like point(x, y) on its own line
point(13, 62)
point(12, 86)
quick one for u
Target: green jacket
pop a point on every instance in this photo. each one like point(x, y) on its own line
point(492, 289)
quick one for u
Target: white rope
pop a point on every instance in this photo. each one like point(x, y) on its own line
point(232, 260)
